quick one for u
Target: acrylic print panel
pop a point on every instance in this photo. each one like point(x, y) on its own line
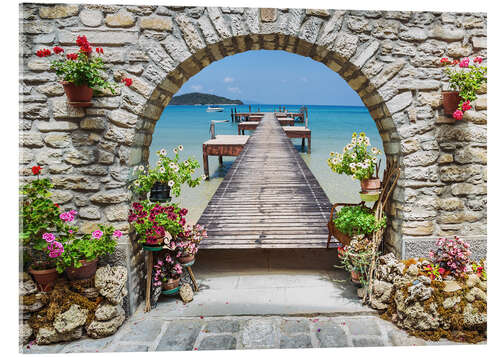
point(209, 178)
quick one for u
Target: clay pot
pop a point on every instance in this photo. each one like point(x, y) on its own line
point(78, 96)
point(372, 184)
point(355, 277)
point(170, 284)
point(45, 279)
point(186, 259)
point(451, 99)
point(86, 271)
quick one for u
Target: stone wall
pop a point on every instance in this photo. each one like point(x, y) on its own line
point(390, 58)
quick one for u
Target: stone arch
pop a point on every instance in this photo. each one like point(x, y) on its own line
point(390, 58)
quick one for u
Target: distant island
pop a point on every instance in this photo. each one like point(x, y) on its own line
point(202, 98)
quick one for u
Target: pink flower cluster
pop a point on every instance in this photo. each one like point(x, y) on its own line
point(55, 249)
point(166, 268)
point(97, 234)
point(68, 216)
point(452, 255)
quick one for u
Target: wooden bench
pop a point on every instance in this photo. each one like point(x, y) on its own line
point(223, 145)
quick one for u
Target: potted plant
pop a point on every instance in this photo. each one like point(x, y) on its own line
point(189, 241)
point(167, 274)
point(357, 220)
point(81, 254)
point(155, 224)
point(81, 73)
point(40, 220)
point(356, 259)
point(465, 82)
point(166, 177)
point(360, 163)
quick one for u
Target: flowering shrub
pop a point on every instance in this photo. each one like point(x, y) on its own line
point(434, 271)
point(352, 220)
point(467, 79)
point(452, 255)
point(169, 171)
point(356, 160)
point(190, 239)
point(154, 221)
point(166, 268)
point(39, 220)
point(88, 247)
point(82, 67)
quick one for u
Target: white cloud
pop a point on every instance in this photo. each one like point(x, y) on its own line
point(234, 89)
point(197, 87)
point(228, 79)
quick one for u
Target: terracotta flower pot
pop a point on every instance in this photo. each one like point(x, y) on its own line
point(86, 271)
point(170, 284)
point(451, 99)
point(371, 184)
point(46, 279)
point(355, 277)
point(78, 96)
point(186, 259)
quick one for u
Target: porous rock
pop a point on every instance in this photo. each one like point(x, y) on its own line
point(100, 329)
point(48, 335)
point(106, 311)
point(186, 293)
point(110, 281)
point(70, 320)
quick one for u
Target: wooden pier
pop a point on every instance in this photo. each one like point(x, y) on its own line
point(268, 199)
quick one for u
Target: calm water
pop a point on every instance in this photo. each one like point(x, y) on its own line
point(332, 127)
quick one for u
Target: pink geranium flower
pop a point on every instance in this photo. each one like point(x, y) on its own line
point(458, 114)
point(48, 237)
point(97, 234)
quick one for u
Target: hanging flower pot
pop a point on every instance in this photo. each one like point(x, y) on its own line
point(160, 192)
point(451, 99)
point(371, 184)
point(186, 259)
point(86, 271)
point(171, 284)
point(78, 96)
point(45, 279)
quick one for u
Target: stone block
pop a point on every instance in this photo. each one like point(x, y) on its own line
point(297, 341)
point(157, 23)
point(122, 18)
point(268, 14)
point(345, 45)
point(222, 342)
point(58, 11)
point(57, 140)
point(331, 334)
point(179, 336)
point(464, 189)
point(99, 37)
point(318, 12)
point(417, 228)
point(63, 110)
point(91, 18)
point(109, 197)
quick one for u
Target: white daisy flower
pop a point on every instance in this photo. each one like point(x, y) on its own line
point(367, 141)
point(374, 150)
point(171, 183)
point(374, 160)
point(176, 168)
point(332, 153)
point(204, 177)
point(162, 170)
point(180, 147)
point(352, 165)
point(163, 152)
point(175, 150)
point(172, 165)
point(360, 140)
point(345, 149)
point(141, 168)
point(353, 141)
point(353, 155)
point(186, 163)
point(137, 183)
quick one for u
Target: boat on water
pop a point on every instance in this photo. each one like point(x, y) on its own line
point(214, 108)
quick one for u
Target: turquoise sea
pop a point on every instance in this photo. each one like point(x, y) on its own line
point(331, 126)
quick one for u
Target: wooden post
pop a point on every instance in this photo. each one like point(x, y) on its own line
point(307, 119)
point(232, 115)
point(193, 279)
point(303, 143)
point(220, 160)
point(149, 257)
point(309, 145)
point(205, 162)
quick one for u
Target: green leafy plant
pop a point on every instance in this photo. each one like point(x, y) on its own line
point(467, 79)
point(357, 256)
point(83, 67)
point(357, 160)
point(88, 247)
point(170, 171)
point(353, 220)
point(40, 218)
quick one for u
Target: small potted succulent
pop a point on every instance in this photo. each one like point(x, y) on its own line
point(81, 254)
point(360, 163)
point(155, 224)
point(40, 221)
point(81, 73)
point(167, 274)
point(166, 177)
point(189, 241)
point(465, 82)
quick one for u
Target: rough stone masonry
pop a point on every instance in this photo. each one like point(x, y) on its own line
point(391, 58)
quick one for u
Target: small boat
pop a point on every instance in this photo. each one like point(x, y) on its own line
point(212, 108)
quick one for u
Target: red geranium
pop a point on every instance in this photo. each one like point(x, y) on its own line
point(99, 50)
point(36, 170)
point(466, 106)
point(127, 81)
point(43, 53)
point(72, 56)
point(58, 50)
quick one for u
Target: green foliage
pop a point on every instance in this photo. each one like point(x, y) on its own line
point(356, 257)
point(201, 98)
point(353, 220)
point(86, 69)
point(169, 171)
point(87, 248)
point(356, 160)
point(467, 81)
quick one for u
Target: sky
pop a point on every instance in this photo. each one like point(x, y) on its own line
point(273, 77)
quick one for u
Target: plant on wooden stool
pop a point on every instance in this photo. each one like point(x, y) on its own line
point(355, 220)
point(83, 68)
point(356, 258)
point(190, 239)
point(170, 171)
point(156, 224)
point(167, 272)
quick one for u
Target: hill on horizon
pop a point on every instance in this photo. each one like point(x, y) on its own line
point(202, 98)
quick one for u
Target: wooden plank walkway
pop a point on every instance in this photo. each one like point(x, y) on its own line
point(268, 199)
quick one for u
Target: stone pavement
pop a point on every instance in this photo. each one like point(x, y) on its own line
point(255, 299)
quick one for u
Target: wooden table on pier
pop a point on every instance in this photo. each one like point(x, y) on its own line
point(223, 145)
point(238, 116)
point(254, 118)
point(269, 198)
point(286, 121)
point(299, 132)
point(247, 125)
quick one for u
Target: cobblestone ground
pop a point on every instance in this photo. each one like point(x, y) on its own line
point(246, 332)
